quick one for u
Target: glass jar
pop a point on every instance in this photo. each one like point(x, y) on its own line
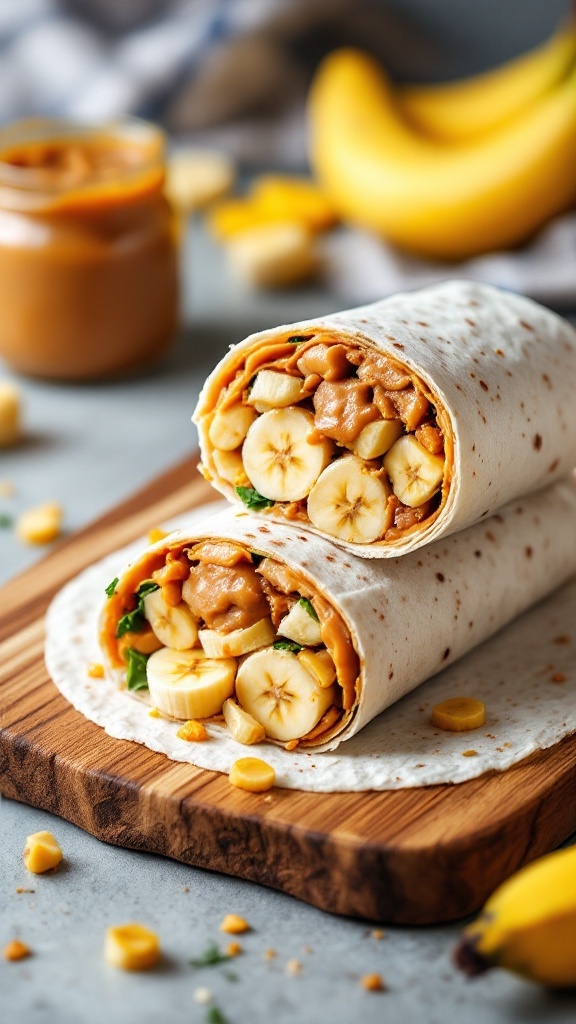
point(88, 248)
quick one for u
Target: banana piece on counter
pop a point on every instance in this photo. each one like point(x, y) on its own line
point(187, 684)
point(197, 177)
point(242, 726)
point(278, 459)
point(301, 626)
point(238, 642)
point(415, 473)
point(528, 925)
point(445, 200)
point(274, 390)
point(273, 255)
point(230, 426)
point(277, 690)
point(349, 502)
point(470, 106)
point(174, 627)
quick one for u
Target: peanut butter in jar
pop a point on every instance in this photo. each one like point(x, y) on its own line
point(88, 250)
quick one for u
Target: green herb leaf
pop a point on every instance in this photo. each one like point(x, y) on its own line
point(211, 956)
point(230, 975)
point(111, 588)
point(134, 622)
point(309, 607)
point(297, 339)
point(215, 1016)
point(6, 521)
point(287, 645)
point(136, 672)
point(252, 499)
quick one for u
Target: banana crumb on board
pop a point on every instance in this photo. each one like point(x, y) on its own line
point(203, 996)
point(186, 888)
point(373, 983)
point(233, 949)
point(131, 947)
point(40, 525)
point(41, 853)
point(95, 670)
point(293, 967)
point(270, 954)
point(377, 934)
point(469, 753)
point(154, 713)
point(233, 924)
point(16, 950)
point(192, 732)
point(20, 888)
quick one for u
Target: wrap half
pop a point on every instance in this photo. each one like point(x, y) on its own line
point(389, 426)
point(294, 639)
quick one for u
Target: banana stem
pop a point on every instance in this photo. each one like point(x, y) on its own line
point(467, 958)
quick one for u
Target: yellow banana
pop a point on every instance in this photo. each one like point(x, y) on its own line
point(529, 924)
point(448, 200)
point(461, 109)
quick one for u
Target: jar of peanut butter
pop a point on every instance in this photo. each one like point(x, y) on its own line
point(88, 260)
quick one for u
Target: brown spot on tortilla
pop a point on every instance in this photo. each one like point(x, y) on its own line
point(547, 380)
point(446, 654)
point(473, 447)
point(397, 344)
point(527, 327)
point(498, 518)
point(330, 558)
point(421, 323)
point(478, 554)
point(473, 375)
point(391, 674)
point(484, 385)
point(562, 640)
point(440, 577)
point(537, 442)
point(553, 466)
point(263, 529)
point(490, 536)
point(528, 552)
point(471, 322)
point(303, 538)
point(558, 677)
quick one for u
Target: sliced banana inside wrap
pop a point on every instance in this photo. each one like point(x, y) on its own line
point(214, 629)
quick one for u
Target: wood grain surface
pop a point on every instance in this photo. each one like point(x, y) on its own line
point(417, 856)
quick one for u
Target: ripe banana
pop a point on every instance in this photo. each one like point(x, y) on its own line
point(278, 459)
point(415, 473)
point(230, 426)
point(458, 110)
point(274, 390)
point(242, 726)
point(238, 642)
point(277, 690)
point(174, 627)
point(187, 684)
point(443, 200)
point(301, 626)
point(349, 502)
point(528, 925)
point(376, 438)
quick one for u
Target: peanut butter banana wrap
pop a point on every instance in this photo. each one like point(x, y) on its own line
point(389, 426)
point(293, 639)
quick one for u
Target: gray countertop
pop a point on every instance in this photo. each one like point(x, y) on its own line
point(88, 447)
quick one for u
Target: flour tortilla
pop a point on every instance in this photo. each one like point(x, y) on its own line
point(411, 617)
point(502, 369)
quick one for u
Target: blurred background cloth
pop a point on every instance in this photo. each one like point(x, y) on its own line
point(234, 74)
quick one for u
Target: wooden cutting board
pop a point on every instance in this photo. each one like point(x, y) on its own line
point(417, 856)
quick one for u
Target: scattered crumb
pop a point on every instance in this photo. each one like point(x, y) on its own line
point(373, 983)
point(291, 745)
point(131, 947)
point(469, 753)
point(16, 950)
point(156, 534)
point(307, 949)
point(268, 799)
point(558, 677)
point(377, 933)
point(95, 670)
point(41, 853)
point(233, 949)
point(40, 525)
point(21, 888)
point(202, 996)
point(270, 954)
point(186, 888)
point(154, 713)
point(192, 732)
point(293, 967)
point(234, 925)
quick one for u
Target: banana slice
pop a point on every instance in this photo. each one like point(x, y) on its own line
point(299, 625)
point(349, 502)
point(242, 726)
point(239, 641)
point(274, 390)
point(187, 684)
point(415, 473)
point(278, 691)
point(230, 426)
point(320, 664)
point(376, 438)
point(278, 459)
point(174, 627)
point(230, 467)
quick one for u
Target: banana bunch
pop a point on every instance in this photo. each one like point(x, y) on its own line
point(448, 171)
point(529, 924)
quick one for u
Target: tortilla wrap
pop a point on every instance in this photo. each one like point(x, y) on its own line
point(389, 426)
point(406, 619)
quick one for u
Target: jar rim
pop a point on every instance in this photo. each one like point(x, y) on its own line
point(133, 130)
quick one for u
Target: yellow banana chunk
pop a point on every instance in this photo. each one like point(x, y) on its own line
point(230, 467)
point(273, 255)
point(173, 626)
point(187, 684)
point(230, 426)
point(239, 641)
point(301, 626)
point(278, 459)
point(132, 947)
point(197, 177)
point(528, 925)
point(460, 109)
point(290, 198)
point(242, 726)
point(443, 200)
point(459, 714)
